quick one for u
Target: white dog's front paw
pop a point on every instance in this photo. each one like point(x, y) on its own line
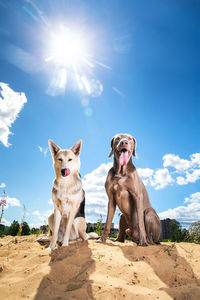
point(65, 243)
point(48, 249)
point(51, 247)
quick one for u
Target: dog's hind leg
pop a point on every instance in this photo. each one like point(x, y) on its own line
point(152, 226)
point(123, 227)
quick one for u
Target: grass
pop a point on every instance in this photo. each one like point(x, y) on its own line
point(97, 255)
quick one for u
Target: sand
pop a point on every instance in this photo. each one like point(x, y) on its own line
point(87, 270)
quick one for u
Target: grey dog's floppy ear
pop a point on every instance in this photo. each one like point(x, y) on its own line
point(134, 152)
point(111, 145)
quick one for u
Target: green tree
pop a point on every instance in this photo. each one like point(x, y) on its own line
point(25, 229)
point(6, 230)
point(14, 228)
point(194, 232)
point(175, 231)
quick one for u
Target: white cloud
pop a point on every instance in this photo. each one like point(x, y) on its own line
point(158, 179)
point(171, 160)
point(50, 202)
point(187, 214)
point(190, 177)
point(193, 176)
point(186, 171)
point(194, 198)
point(2, 185)
point(43, 150)
point(5, 222)
point(12, 202)
point(96, 197)
point(42, 216)
point(180, 180)
point(36, 213)
point(36, 225)
point(11, 103)
point(146, 175)
point(195, 158)
point(161, 179)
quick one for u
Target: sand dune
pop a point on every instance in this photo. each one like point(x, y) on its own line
point(87, 270)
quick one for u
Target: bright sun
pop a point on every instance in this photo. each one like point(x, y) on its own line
point(72, 63)
point(67, 48)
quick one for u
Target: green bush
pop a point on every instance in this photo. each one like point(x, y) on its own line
point(14, 228)
point(99, 227)
point(175, 231)
point(34, 230)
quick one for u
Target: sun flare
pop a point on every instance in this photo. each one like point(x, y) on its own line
point(72, 64)
point(67, 48)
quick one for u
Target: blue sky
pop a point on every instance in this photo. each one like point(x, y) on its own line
point(141, 77)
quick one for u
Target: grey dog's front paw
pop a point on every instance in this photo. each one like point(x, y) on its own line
point(101, 240)
point(143, 242)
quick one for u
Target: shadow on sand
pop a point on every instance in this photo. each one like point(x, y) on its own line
point(69, 275)
point(171, 268)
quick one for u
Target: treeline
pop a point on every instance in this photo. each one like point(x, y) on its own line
point(176, 232)
point(179, 234)
point(19, 229)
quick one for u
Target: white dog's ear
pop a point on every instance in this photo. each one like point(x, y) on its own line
point(134, 147)
point(53, 148)
point(111, 145)
point(77, 148)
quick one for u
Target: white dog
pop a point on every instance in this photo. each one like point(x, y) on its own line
point(68, 220)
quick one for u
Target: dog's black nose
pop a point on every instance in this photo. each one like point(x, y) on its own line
point(124, 143)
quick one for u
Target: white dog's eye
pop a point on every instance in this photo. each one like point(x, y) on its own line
point(60, 159)
point(69, 159)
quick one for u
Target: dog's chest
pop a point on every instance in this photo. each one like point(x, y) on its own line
point(66, 201)
point(120, 191)
point(121, 195)
point(64, 196)
point(118, 185)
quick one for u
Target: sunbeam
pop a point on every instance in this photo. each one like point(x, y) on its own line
point(67, 48)
point(69, 54)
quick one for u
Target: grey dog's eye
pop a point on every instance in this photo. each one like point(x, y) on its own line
point(60, 159)
point(69, 159)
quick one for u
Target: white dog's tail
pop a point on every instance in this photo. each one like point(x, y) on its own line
point(92, 236)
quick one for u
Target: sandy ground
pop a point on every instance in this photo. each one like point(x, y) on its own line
point(87, 270)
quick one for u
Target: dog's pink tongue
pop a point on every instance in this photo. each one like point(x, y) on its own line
point(67, 172)
point(123, 158)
